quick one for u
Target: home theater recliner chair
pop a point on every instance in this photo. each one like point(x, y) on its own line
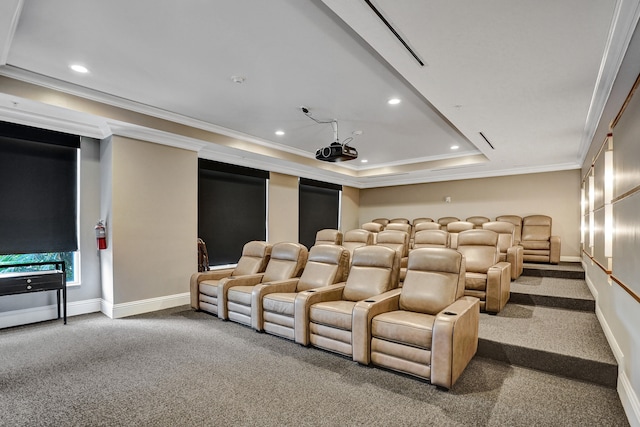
point(204, 285)
point(427, 328)
point(234, 294)
point(538, 243)
point(272, 308)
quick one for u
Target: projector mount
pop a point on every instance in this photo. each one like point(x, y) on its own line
point(337, 151)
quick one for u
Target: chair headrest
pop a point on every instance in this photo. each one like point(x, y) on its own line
point(458, 226)
point(287, 251)
point(256, 248)
point(501, 227)
point(542, 220)
point(327, 254)
point(435, 259)
point(373, 256)
point(477, 237)
point(374, 227)
point(427, 226)
point(329, 235)
point(392, 236)
point(358, 235)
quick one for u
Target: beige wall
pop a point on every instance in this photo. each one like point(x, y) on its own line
point(350, 215)
point(554, 193)
point(283, 208)
point(151, 209)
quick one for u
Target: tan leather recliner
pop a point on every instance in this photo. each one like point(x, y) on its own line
point(357, 238)
point(517, 222)
point(325, 315)
point(538, 243)
point(204, 286)
point(234, 294)
point(373, 227)
point(399, 242)
point(417, 221)
point(446, 220)
point(272, 307)
point(478, 220)
point(509, 251)
point(431, 239)
point(486, 278)
point(456, 227)
point(381, 221)
point(428, 328)
point(328, 236)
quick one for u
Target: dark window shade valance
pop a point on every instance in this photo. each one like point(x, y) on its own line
point(38, 190)
point(232, 206)
point(319, 208)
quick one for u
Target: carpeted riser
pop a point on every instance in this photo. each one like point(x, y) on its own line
point(553, 301)
point(558, 274)
point(554, 363)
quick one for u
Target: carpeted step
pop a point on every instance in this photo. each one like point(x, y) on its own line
point(563, 270)
point(570, 294)
point(562, 342)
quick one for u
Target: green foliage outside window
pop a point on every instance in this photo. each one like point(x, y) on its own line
point(67, 257)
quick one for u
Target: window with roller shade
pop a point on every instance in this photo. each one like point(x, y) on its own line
point(232, 209)
point(39, 193)
point(319, 208)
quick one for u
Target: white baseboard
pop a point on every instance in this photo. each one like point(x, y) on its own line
point(629, 400)
point(143, 306)
point(47, 312)
point(570, 259)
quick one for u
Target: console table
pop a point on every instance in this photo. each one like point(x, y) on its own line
point(37, 281)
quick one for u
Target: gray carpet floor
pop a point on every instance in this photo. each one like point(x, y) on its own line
point(178, 367)
point(553, 287)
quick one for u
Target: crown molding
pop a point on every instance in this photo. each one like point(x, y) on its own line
point(623, 25)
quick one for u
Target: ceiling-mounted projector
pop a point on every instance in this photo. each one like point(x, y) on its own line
point(336, 152)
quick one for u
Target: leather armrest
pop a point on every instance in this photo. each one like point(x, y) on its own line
point(306, 299)
point(554, 249)
point(259, 291)
point(498, 287)
point(196, 278)
point(229, 282)
point(454, 340)
point(363, 312)
point(515, 257)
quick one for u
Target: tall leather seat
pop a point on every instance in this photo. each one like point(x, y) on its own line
point(517, 222)
point(204, 285)
point(325, 315)
point(431, 239)
point(398, 241)
point(509, 251)
point(374, 228)
point(486, 277)
point(234, 294)
point(428, 328)
point(273, 304)
point(538, 243)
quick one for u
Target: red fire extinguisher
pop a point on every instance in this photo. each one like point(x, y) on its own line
point(101, 235)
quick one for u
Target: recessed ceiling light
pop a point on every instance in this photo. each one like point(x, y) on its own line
point(364, 161)
point(279, 132)
point(455, 147)
point(79, 68)
point(394, 101)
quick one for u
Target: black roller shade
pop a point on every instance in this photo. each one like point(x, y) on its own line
point(319, 208)
point(38, 190)
point(232, 209)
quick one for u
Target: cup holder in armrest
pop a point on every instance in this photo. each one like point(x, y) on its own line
point(311, 290)
point(369, 300)
point(450, 313)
